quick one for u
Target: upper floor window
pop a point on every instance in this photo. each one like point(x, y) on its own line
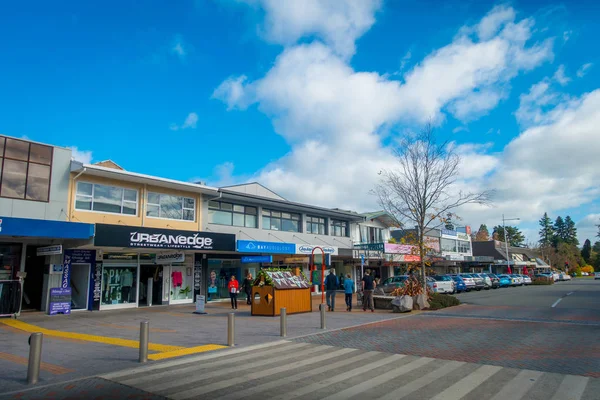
point(339, 228)
point(449, 245)
point(464, 247)
point(370, 234)
point(232, 214)
point(170, 207)
point(104, 198)
point(280, 221)
point(315, 225)
point(25, 169)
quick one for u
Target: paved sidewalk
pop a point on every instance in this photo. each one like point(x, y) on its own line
point(74, 356)
point(286, 370)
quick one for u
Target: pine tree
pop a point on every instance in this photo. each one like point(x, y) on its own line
point(560, 232)
point(515, 237)
point(483, 235)
point(586, 252)
point(546, 231)
point(570, 232)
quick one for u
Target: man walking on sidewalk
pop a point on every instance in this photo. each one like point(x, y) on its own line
point(331, 285)
point(368, 285)
point(348, 290)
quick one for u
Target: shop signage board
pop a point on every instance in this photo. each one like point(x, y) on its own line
point(60, 301)
point(308, 249)
point(370, 246)
point(141, 237)
point(257, 259)
point(392, 248)
point(448, 232)
point(296, 260)
point(200, 303)
point(462, 236)
point(49, 250)
point(253, 246)
point(173, 257)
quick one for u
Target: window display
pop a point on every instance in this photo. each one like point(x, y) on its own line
point(118, 284)
point(182, 288)
point(220, 272)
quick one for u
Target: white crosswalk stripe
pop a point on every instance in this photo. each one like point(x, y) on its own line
point(287, 370)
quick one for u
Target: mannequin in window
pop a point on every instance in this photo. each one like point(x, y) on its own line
point(126, 283)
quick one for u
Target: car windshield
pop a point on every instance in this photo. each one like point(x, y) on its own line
point(457, 279)
point(441, 278)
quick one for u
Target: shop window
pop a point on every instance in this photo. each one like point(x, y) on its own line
point(170, 207)
point(315, 225)
point(464, 247)
point(108, 199)
point(222, 213)
point(26, 170)
point(339, 228)
point(280, 221)
point(449, 245)
point(370, 234)
point(118, 285)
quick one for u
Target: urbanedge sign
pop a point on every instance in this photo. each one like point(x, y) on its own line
point(131, 236)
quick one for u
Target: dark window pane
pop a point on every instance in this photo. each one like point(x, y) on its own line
point(213, 204)
point(238, 219)
point(188, 215)
point(219, 217)
point(13, 179)
point(226, 206)
point(17, 149)
point(129, 208)
point(2, 141)
point(171, 207)
point(266, 223)
point(83, 203)
point(152, 211)
point(286, 215)
point(239, 209)
point(107, 199)
point(84, 188)
point(130, 195)
point(275, 224)
point(189, 203)
point(276, 214)
point(153, 198)
point(250, 221)
point(40, 154)
point(289, 225)
point(251, 210)
point(296, 217)
point(38, 182)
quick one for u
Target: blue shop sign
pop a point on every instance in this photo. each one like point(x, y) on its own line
point(257, 259)
point(60, 301)
point(252, 246)
point(26, 227)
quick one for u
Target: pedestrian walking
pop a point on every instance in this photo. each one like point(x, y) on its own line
point(234, 289)
point(368, 285)
point(331, 285)
point(348, 290)
point(247, 287)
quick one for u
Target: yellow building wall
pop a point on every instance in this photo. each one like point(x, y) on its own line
point(138, 220)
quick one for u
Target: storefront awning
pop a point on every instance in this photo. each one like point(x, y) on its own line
point(24, 227)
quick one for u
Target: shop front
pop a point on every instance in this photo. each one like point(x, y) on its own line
point(160, 266)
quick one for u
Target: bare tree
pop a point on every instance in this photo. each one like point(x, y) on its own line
point(419, 190)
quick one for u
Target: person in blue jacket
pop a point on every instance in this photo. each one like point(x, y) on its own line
point(331, 285)
point(348, 290)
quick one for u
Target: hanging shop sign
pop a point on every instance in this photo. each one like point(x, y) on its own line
point(308, 249)
point(49, 250)
point(296, 260)
point(257, 259)
point(392, 248)
point(253, 246)
point(125, 236)
point(370, 246)
point(462, 236)
point(167, 258)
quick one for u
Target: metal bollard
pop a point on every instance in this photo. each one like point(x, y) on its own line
point(283, 322)
point(231, 330)
point(35, 357)
point(144, 337)
point(322, 310)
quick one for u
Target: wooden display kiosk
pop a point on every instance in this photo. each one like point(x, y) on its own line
point(273, 290)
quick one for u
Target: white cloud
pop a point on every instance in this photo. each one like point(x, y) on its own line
point(584, 69)
point(190, 122)
point(334, 118)
point(561, 77)
point(337, 23)
point(179, 48)
point(587, 228)
point(83, 156)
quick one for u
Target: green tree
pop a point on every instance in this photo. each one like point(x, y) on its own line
point(483, 235)
point(560, 232)
point(515, 237)
point(570, 232)
point(546, 231)
point(586, 251)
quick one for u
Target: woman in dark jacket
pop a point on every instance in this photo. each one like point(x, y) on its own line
point(247, 286)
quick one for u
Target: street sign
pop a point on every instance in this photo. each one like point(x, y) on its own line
point(370, 246)
point(362, 259)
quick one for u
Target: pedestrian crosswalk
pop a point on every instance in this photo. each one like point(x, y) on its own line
point(287, 370)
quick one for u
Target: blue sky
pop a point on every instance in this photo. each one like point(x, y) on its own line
point(308, 97)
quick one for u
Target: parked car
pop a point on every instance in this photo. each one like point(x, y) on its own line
point(565, 277)
point(445, 284)
point(486, 280)
point(544, 277)
point(516, 280)
point(469, 281)
point(392, 283)
point(526, 280)
point(494, 279)
point(479, 282)
point(596, 275)
point(555, 276)
point(505, 280)
point(460, 284)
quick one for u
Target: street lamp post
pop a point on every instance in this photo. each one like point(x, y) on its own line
point(506, 238)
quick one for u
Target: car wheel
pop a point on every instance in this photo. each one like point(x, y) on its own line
point(478, 289)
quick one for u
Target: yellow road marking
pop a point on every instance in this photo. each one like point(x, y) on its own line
point(185, 352)
point(88, 338)
point(53, 369)
point(135, 328)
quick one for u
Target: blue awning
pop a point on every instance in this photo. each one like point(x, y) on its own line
point(25, 227)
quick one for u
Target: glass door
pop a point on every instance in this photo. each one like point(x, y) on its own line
point(166, 284)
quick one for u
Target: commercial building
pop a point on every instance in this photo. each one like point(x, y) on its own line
point(518, 258)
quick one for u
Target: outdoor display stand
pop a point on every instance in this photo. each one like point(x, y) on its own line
point(273, 290)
